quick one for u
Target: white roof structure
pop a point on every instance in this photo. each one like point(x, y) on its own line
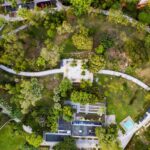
point(74, 71)
point(27, 129)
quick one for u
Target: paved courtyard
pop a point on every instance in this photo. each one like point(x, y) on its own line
point(73, 70)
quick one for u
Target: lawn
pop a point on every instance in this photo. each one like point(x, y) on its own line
point(124, 98)
point(9, 140)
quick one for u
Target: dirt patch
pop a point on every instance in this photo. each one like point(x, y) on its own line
point(144, 74)
point(121, 57)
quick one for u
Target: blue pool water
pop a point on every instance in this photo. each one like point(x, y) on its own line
point(129, 124)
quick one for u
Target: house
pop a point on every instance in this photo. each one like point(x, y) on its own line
point(86, 119)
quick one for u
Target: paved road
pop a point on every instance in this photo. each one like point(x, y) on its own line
point(56, 71)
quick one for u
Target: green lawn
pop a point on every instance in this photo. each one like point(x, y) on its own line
point(9, 140)
point(124, 97)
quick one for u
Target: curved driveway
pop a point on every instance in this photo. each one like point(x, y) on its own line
point(56, 71)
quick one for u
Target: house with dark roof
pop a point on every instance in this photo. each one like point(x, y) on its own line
point(86, 119)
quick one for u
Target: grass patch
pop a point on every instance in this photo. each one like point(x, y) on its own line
point(124, 98)
point(9, 140)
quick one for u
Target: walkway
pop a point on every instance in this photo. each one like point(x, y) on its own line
point(7, 112)
point(128, 77)
point(56, 71)
point(131, 20)
point(32, 74)
point(15, 31)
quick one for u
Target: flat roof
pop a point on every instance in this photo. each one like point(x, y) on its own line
point(64, 125)
point(83, 130)
point(52, 137)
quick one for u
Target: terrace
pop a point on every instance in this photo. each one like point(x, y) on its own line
point(75, 72)
point(83, 131)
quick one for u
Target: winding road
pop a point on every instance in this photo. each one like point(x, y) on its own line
point(56, 71)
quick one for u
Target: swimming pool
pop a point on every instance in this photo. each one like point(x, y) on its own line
point(127, 124)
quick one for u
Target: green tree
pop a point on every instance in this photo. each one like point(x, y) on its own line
point(117, 17)
point(64, 87)
point(100, 49)
point(82, 42)
point(81, 6)
point(83, 97)
point(34, 139)
point(108, 137)
point(67, 144)
point(64, 28)
point(13, 52)
point(85, 84)
point(144, 17)
point(96, 63)
point(67, 113)
point(147, 42)
point(50, 54)
point(81, 39)
point(25, 94)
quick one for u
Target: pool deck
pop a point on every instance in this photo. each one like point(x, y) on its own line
point(125, 138)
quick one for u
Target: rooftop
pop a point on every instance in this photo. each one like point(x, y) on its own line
point(54, 137)
point(64, 125)
point(79, 130)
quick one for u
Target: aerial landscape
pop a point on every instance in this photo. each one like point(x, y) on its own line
point(74, 74)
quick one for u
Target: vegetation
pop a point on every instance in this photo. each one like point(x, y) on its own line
point(34, 140)
point(140, 141)
point(68, 143)
point(80, 32)
point(83, 97)
point(108, 137)
point(11, 139)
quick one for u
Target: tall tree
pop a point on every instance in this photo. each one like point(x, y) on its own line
point(25, 94)
point(34, 139)
point(83, 97)
point(81, 6)
point(96, 63)
point(64, 87)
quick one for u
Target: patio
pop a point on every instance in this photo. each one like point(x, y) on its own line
point(74, 70)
